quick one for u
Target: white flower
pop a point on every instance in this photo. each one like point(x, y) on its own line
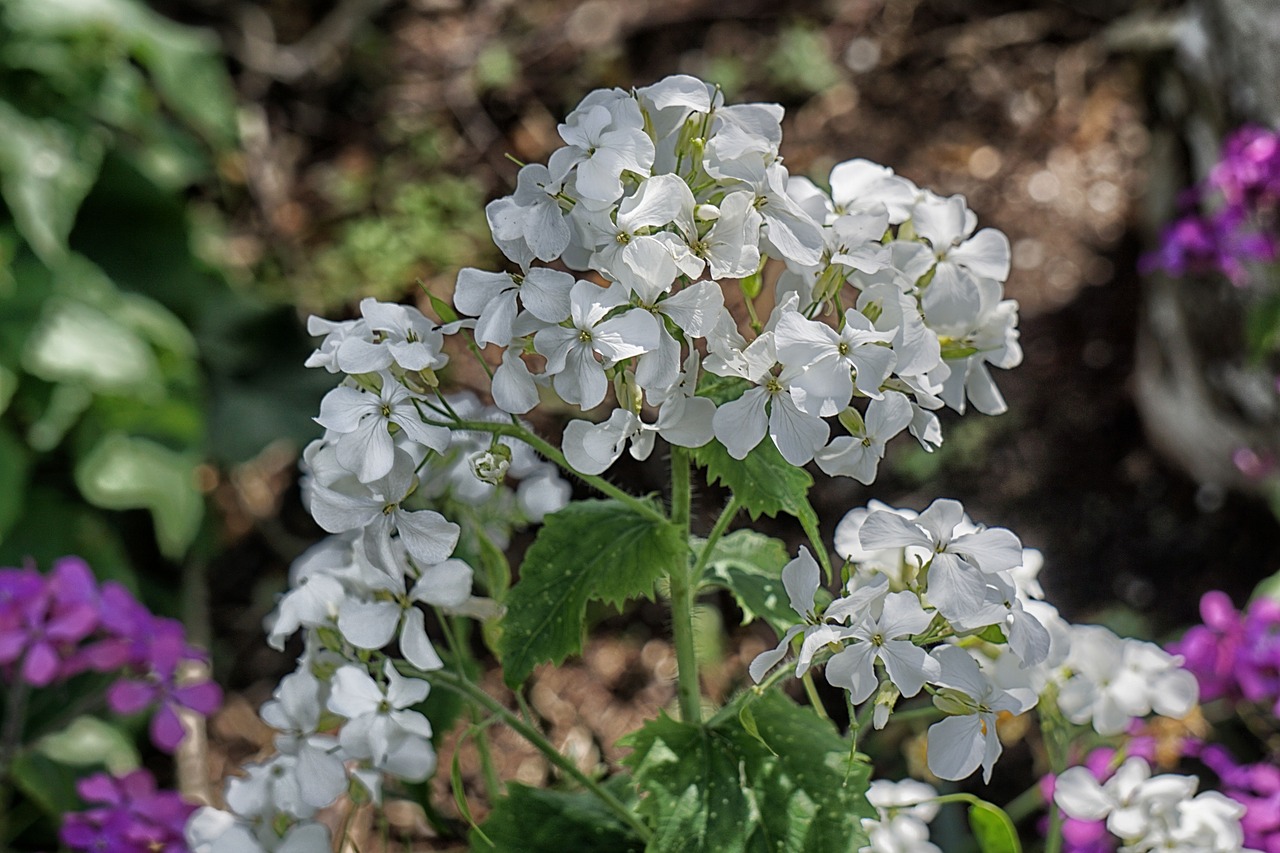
point(362, 421)
point(860, 185)
point(967, 739)
point(294, 711)
point(602, 143)
point(532, 216)
point(801, 579)
point(376, 509)
point(858, 455)
point(397, 334)
point(886, 639)
point(491, 296)
point(952, 296)
point(371, 623)
point(956, 585)
point(571, 352)
point(831, 363)
point(379, 727)
point(1114, 680)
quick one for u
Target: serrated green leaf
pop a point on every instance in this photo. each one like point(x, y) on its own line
point(590, 550)
point(765, 482)
point(790, 786)
point(537, 820)
point(992, 828)
point(124, 472)
point(749, 566)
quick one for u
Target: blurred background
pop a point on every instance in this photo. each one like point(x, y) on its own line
point(185, 181)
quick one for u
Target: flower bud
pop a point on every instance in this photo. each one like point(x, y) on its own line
point(948, 700)
point(490, 466)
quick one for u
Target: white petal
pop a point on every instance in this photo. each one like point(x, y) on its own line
point(368, 624)
point(955, 747)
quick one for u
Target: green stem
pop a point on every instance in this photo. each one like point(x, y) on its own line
point(1053, 843)
point(1025, 804)
point(862, 721)
point(465, 688)
point(548, 450)
point(811, 691)
point(682, 594)
point(461, 654)
point(924, 712)
point(722, 524)
point(10, 743)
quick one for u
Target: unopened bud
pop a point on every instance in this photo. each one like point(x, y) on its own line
point(490, 466)
point(948, 700)
point(886, 697)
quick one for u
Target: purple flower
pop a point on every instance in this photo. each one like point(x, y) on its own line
point(42, 617)
point(164, 651)
point(1210, 650)
point(132, 817)
point(1257, 788)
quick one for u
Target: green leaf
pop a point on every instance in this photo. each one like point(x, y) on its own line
point(601, 550)
point(124, 472)
point(183, 62)
point(765, 482)
point(49, 784)
point(88, 741)
point(538, 820)
point(749, 565)
point(791, 785)
point(993, 829)
point(46, 170)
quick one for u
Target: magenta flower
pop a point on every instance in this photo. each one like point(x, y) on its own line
point(42, 618)
point(1235, 655)
point(1257, 788)
point(166, 650)
point(131, 817)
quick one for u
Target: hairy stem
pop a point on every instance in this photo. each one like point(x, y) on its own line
point(465, 688)
point(683, 588)
point(722, 524)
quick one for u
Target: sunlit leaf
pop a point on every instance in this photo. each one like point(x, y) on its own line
point(124, 472)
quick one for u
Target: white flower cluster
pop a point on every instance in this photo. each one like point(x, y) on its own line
point(666, 194)
point(1149, 813)
point(935, 602)
point(903, 813)
point(357, 594)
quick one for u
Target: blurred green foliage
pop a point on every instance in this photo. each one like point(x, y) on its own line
point(119, 348)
